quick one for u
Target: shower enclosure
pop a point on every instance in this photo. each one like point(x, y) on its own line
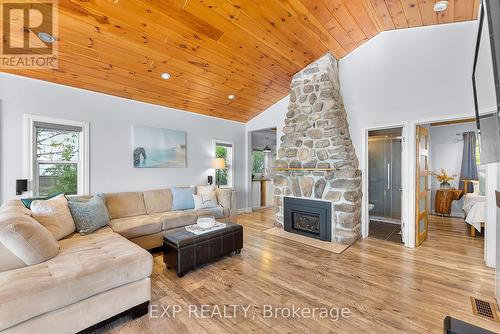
point(384, 175)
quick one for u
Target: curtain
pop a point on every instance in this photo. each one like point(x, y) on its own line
point(469, 166)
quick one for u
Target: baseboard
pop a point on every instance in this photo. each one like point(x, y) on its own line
point(244, 210)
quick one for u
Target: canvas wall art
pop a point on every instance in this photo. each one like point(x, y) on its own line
point(158, 148)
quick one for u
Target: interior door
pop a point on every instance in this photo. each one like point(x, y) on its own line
point(422, 186)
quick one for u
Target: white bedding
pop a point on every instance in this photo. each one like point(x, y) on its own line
point(475, 210)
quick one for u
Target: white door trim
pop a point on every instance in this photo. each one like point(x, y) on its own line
point(412, 164)
point(365, 217)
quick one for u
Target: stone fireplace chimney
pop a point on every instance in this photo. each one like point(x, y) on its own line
point(316, 159)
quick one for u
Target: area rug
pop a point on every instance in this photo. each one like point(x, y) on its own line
point(325, 245)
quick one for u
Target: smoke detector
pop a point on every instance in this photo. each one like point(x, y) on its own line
point(441, 6)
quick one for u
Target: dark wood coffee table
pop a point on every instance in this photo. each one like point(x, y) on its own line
point(184, 250)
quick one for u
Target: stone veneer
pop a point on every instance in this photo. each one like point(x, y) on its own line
point(316, 135)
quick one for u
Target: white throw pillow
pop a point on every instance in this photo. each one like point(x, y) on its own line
point(205, 201)
point(25, 239)
point(54, 215)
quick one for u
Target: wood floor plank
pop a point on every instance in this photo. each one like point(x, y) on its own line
point(387, 287)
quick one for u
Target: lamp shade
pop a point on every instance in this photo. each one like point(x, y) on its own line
point(218, 163)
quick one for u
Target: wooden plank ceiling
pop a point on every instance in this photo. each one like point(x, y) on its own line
point(214, 48)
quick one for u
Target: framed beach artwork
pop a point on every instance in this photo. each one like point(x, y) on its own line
point(158, 148)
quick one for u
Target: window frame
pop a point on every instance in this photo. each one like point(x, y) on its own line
point(31, 164)
point(226, 143)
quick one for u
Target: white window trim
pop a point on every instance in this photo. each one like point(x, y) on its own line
point(214, 144)
point(29, 154)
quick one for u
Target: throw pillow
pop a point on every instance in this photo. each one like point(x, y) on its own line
point(27, 239)
point(54, 215)
point(205, 201)
point(27, 201)
point(182, 198)
point(205, 189)
point(89, 215)
point(15, 209)
point(224, 197)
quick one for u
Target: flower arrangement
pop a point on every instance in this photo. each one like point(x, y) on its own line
point(444, 178)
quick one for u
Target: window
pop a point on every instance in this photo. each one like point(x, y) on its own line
point(258, 162)
point(478, 151)
point(58, 157)
point(224, 150)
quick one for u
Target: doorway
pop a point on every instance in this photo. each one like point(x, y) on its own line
point(263, 144)
point(448, 176)
point(385, 184)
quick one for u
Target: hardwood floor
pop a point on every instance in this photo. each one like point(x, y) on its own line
point(388, 288)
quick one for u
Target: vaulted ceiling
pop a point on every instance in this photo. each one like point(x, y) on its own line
point(214, 48)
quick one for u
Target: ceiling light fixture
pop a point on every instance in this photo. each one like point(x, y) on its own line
point(46, 37)
point(440, 6)
point(165, 76)
point(266, 148)
point(231, 97)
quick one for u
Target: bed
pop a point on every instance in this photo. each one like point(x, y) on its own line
point(475, 211)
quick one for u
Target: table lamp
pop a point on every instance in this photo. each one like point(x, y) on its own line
point(218, 164)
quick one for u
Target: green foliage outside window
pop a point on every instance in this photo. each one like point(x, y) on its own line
point(221, 152)
point(57, 156)
point(258, 162)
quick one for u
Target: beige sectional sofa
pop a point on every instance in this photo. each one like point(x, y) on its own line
point(99, 276)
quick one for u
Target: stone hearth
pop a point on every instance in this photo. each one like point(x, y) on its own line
point(316, 135)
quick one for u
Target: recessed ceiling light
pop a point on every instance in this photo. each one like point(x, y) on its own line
point(440, 6)
point(165, 76)
point(46, 37)
point(231, 97)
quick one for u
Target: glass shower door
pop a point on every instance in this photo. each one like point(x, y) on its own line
point(384, 175)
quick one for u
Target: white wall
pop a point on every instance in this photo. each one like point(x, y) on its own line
point(111, 120)
point(446, 152)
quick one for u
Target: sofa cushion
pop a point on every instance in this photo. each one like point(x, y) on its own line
point(54, 215)
point(182, 198)
point(84, 267)
point(15, 209)
point(129, 204)
point(13, 202)
point(216, 212)
point(8, 260)
point(76, 235)
point(205, 189)
point(89, 215)
point(132, 227)
point(175, 219)
point(159, 200)
point(26, 239)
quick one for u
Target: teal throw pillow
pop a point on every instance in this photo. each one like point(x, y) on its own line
point(27, 201)
point(89, 215)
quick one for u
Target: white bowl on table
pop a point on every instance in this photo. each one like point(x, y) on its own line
point(205, 222)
